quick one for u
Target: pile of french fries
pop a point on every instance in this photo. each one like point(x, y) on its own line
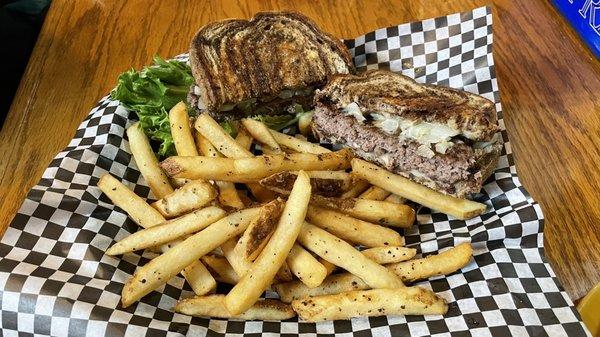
point(321, 237)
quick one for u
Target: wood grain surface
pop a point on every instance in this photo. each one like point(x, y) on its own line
point(549, 82)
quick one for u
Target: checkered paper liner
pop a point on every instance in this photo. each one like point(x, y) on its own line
point(56, 280)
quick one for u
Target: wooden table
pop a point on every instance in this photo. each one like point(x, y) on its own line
point(549, 81)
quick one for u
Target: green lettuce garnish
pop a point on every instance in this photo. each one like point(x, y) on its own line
point(280, 122)
point(151, 93)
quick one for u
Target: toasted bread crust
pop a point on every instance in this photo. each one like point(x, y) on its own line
point(234, 60)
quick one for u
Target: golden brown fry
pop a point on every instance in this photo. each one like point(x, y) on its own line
point(272, 257)
point(167, 231)
point(406, 188)
point(260, 132)
point(297, 144)
point(193, 195)
point(252, 169)
point(181, 131)
point(380, 212)
point(396, 199)
point(358, 187)
point(163, 267)
point(284, 274)
point(259, 231)
point(330, 267)
point(333, 284)
point(220, 139)
point(261, 193)
point(324, 183)
point(374, 193)
point(179, 182)
point(306, 268)
point(147, 163)
point(199, 278)
point(347, 257)
point(137, 209)
point(443, 263)
point(353, 230)
point(376, 302)
point(392, 254)
point(222, 267)
point(239, 264)
point(214, 306)
point(244, 138)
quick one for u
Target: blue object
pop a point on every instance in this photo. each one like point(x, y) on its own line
point(584, 16)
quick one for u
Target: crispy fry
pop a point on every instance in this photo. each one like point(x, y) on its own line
point(261, 193)
point(220, 139)
point(345, 256)
point(385, 255)
point(381, 212)
point(222, 267)
point(179, 182)
point(193, 195)
point(137, 209)
point(167, 231)
point(298, 145)
point(252, 169)
point(443, 263)
point(333, 284)
point(259, 231)
point(239, 264)
point(374, 193)
point(147, 163)
point(353, 230)
point(214, 306)
point(260, 132)
point(376, 302)
point(272, 257)
point(244, 138)
point(284, 274)
point(163, 267)
point(199, 278)
point(181, 131)
point(324, 183)
point(267, 150)
point(458, 208)
point(306, 268)
point(396, 199)
point(358, 187)
point(330, 267)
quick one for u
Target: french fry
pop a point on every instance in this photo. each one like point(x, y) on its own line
point(380, 212)
point(252, 169)
point(179, 182)
point(167, 231)
point(443, 263)
point(343, 255)
point(223, 269)
point(459, 208)
point(220, 139)
point(324, 183)
point(284, 274)
point(244, 139)
point(333, 284)
point(261, 193)
point(239, 264)
point(214, 306)
point(259, 231)
point(199, 278)
point(374, 193)
point(267, 150)
point(358, 187)
point(193, 195)
point(272, 257)
point(306, 268)
point(386, 255)
point(163, 267)
point(376, 302)
point(136, 207)
point(181, 131)
point(396, 199)
point(304, 123)
point(228, 195)
point(147, 163)
point(296, 144)
point(260, 132)
point(353, 230)
point(330, 267)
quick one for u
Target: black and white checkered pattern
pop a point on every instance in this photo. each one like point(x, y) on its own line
point(55, 279)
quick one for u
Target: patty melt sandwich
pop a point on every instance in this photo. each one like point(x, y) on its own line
point(440, 137)
point(262, 66)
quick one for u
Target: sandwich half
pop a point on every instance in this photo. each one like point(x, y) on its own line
point(440, 137)
point(263, 66)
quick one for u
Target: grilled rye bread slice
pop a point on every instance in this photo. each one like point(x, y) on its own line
point(440, 137)
point(269, 62)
